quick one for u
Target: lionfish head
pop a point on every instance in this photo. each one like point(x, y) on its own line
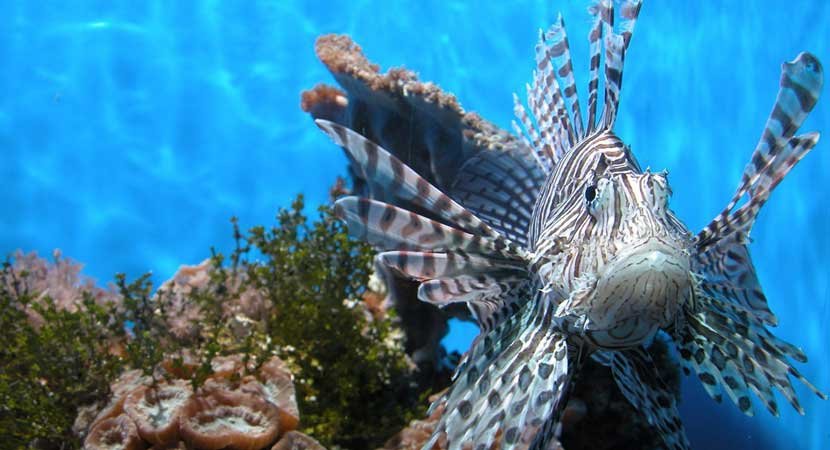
point(641, 273)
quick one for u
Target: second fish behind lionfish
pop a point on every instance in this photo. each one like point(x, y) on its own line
point(565, 249)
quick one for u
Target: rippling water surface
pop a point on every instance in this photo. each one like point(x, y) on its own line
point(130, 132)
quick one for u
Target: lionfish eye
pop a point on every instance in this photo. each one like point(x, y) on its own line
point(591, 193)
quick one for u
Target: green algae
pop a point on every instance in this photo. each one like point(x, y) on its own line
point(355, 386)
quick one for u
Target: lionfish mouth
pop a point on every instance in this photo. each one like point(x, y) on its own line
point(642, 288)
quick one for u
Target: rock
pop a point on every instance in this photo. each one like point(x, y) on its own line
point(417, 122)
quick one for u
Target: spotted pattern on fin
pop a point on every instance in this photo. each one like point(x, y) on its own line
point(512, 380)
point(636, 376)
point(733, 352)
point(724, 336)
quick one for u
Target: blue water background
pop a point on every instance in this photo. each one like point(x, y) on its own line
point(130, 132)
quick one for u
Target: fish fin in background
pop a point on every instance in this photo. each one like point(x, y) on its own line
point(637, 378)
point(514, 380)
point(501, 188)
point(724, 335)
point(456, 259)
point(400, 181)
point(388, 227)
point(777, 152)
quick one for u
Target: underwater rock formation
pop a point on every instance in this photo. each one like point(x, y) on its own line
point(429, 131)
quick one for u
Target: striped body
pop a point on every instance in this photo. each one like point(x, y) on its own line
point(564, 249)
point(591, 248)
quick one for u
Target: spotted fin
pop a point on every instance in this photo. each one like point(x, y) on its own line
point(777, 152)
point(733, 352)
point(514, 379)
point(728, 273)
point(637, 378)
point(724, 338)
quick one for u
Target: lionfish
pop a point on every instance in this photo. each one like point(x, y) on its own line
point(565, 249)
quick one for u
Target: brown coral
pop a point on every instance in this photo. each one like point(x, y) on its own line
point(156, 410)
point(184, 316)
point(226, 419)
point(115, 433)
point(231, 410)
point(279, 390)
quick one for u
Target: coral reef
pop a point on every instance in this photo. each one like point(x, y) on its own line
point(287, 323)
point(430, 132)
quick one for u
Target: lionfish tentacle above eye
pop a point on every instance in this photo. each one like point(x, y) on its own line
point(560, 53)
point(637, 378)
point(615, 47)
point(725, 337)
